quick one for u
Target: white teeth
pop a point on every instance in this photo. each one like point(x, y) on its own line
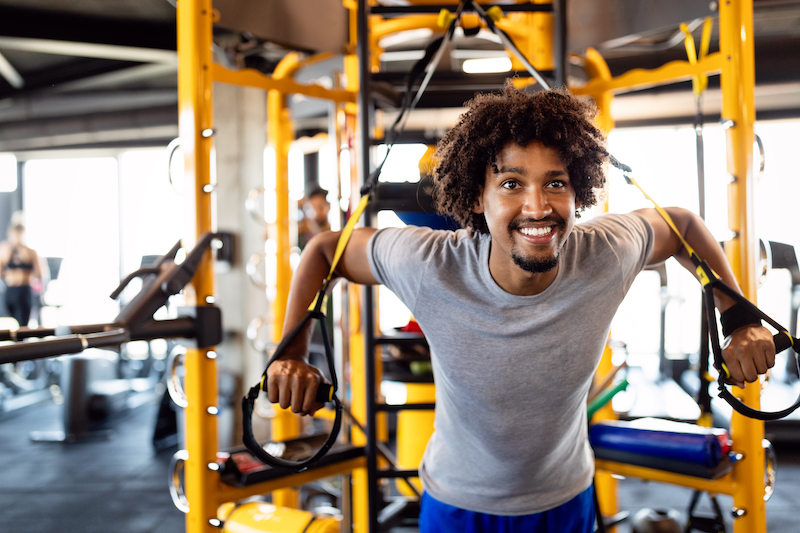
point(536, 232)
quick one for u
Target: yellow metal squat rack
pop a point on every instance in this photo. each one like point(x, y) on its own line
point(540, 35)
point(734, 62)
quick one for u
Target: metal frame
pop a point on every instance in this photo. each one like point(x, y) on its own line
point(197, 73)
point(196, 76)
point(735, 63)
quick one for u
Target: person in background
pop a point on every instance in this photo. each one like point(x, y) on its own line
point(20, 270)
point(315, 208)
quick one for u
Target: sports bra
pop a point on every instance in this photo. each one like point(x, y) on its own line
point(16, 263)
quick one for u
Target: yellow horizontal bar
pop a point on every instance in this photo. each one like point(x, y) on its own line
point(639, 78)
point(721, 485)
point(227, 493)
point(252, 78)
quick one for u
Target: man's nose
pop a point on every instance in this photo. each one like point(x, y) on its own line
point(537, 205)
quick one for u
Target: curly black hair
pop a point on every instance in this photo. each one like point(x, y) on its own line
point(554, 118)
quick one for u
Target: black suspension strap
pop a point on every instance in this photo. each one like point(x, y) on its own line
point(326, 393)
point(752, 315)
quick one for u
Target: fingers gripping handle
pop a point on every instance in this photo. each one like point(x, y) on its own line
point(783, 341)
point(324, 392)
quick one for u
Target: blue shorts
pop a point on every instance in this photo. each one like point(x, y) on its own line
point(575, 516)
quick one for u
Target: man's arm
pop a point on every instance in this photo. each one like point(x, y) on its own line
point(291, 381)
point(748, 351)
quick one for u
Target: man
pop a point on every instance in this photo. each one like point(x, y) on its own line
point(516, 307)
point(315, 208)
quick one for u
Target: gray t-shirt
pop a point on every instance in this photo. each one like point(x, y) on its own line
point(511, 372)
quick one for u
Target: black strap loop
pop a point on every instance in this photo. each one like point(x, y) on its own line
point(711, 281)
point(782, 340)
point(325, 394)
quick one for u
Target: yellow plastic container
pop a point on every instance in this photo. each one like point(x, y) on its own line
point(414, 428)
point(259, 517)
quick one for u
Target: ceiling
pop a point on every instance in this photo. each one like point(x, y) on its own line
point(102, 73)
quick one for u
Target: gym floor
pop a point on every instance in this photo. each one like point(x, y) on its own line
point(120, 484)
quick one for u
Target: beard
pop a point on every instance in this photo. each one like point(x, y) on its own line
point(534, 265)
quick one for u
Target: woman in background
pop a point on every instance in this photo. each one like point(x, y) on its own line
point(20, 271)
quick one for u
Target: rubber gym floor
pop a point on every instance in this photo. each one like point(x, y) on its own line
point(120, 485)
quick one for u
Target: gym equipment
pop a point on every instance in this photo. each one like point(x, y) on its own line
point(92, 393)
point(195, 99)
point(783, 256)
point(134, 322)
point(710, 281)
point(665, 445)
point(268, 518)
point(656, 521)
point(26, 383)
point(327, 393)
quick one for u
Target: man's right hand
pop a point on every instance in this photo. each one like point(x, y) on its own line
point(293, 383)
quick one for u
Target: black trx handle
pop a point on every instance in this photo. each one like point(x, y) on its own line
point(710, 281)
point(782, 340)
point(326, 393)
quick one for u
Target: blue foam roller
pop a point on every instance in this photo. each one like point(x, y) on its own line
point(661, 438)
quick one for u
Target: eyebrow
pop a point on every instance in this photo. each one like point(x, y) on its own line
point(522, 171)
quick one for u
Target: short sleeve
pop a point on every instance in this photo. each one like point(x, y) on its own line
point(632, 242)
point(398, 258)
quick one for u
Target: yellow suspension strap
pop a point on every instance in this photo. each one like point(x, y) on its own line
point(710, 281)
point(700, 81)
point(326, 393)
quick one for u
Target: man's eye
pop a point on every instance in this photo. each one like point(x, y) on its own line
point(510, 184)
point(558, 184)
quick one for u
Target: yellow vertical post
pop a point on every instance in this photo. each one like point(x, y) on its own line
point(195, 118)
point(605, 484)
point(738, 81)
point(285, 425)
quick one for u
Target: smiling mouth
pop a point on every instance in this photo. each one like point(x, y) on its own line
point(537, 232)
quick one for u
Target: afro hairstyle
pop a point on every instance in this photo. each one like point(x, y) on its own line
point(555, 118)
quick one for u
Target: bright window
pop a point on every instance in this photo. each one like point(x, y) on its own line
point(664, 163)
point(72, 212)
point(8, 173)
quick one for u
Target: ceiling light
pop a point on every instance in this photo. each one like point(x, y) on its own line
point(487, 65)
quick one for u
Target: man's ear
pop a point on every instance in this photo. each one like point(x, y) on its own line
point(477, 205)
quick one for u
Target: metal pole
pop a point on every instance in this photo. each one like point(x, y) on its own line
point(560, 42)
point(365, 127)
point(738, 107)
point(195, 125)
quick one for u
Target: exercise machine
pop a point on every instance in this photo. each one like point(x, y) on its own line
point(89, 398)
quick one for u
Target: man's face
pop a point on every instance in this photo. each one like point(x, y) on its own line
point(529, 205)
point(321, 208)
